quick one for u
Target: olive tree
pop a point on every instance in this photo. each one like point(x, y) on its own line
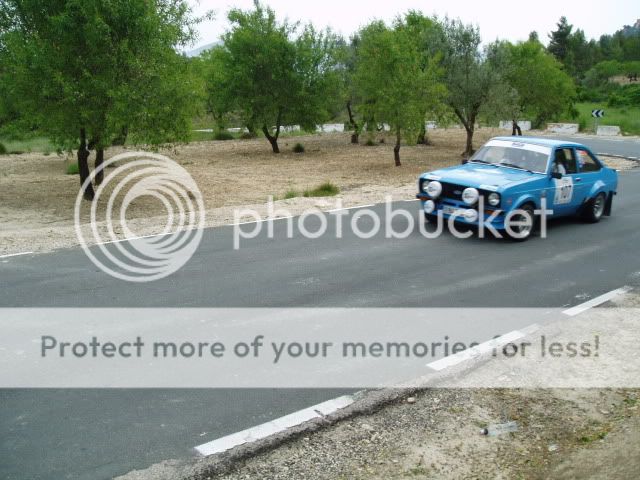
point(281, 75)
point(473, 85)
point(392, 77)
point(84, 71)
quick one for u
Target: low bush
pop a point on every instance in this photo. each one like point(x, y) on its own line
point(327, 189)
point(3, 149)
point(72, 169)
point(298, 148)
point(223, 135)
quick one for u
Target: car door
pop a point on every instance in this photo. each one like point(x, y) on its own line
point(589, 171)
point(568, 190)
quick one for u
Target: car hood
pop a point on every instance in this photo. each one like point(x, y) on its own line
point(488, 177)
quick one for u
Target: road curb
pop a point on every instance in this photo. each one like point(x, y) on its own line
point(624, 157)
point(364, 402)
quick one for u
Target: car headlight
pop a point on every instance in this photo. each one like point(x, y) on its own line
point(470, 196)
point(494, 199)
point(433, 189)
point(429, 206)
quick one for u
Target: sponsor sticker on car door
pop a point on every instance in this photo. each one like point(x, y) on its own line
point(564, 190)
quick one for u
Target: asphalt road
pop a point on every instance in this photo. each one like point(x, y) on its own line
point(629, 147)
point(97, 434)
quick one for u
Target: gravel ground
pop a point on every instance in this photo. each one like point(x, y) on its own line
point(435, 433)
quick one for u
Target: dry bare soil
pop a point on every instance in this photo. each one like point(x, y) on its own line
point(37, 198)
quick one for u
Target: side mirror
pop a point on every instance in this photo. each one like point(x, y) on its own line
point(556, 175)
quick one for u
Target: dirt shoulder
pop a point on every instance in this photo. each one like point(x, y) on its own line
point(37, 198)
point(562, 433)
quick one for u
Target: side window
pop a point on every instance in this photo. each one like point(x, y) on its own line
point(565, 161)
point(586, 162)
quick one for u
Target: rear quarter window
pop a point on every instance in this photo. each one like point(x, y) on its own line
point(586, 162)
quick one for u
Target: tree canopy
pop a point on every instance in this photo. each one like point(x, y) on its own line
point(84, 71)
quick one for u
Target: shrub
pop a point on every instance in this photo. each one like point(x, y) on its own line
point(298, 148)
point(327, 189)
point(72, 169)
point(248, 136)
point(370, 143)
point(3, 149)
point(223, 135)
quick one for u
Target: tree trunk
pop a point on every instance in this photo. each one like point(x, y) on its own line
point(251, 128)
point(98, 167)
point(423, 139)
point(273, 140)
point(515, 128)
point(396, 149)
point(83, 166)
point(469, 149)
point(121, 139)
point(355, 136)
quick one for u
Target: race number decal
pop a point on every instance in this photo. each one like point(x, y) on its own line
point(564, 191)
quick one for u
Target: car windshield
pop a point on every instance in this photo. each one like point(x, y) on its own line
point(514, 155)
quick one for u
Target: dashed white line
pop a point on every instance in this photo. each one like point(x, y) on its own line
point(258, 221)
point(350, 208)
point(275, 426)
point(594, 302)
point(132, 238)
point(481, 349)
point(15, 254)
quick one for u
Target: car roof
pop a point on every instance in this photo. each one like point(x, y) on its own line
point(547, 142)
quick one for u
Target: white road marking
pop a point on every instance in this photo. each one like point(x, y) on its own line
point(132, 238)
point(15, 254)
point(275, 426)
point(594, 302)
point(258, 221)
point(481, 349)
point(350, 208)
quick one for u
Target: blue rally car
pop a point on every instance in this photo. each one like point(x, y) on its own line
point(508, 182)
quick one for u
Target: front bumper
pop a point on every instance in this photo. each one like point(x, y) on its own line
point(490, 216)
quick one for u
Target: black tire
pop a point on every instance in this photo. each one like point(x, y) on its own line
point(430, 218)
point(523, 233)
point(595, 208)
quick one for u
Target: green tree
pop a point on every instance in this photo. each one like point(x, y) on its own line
point(279, 78)
point(81, 71)
point(219, 102)
point(559, 40)
point(429, 38)
point(473, 84)
point(541, 88)
point(390, 75)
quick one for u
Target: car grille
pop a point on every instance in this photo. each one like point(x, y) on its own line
point(452, 191)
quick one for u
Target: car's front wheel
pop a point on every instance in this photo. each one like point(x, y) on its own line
point(522, 224)
point(595, 208)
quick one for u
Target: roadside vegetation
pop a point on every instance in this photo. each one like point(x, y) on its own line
point(119, 79)
point(627, 118)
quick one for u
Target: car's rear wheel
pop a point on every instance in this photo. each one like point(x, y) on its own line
point(522, 224)
point(595, 208)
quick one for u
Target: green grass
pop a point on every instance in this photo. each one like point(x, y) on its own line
point(327, 189)
point(36, 144)
point(72, 169)
point(291, 194)
point(627, 118)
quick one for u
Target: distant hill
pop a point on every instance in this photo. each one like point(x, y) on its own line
point(196, 52)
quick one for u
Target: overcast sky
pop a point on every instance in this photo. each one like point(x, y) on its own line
point(511, 20)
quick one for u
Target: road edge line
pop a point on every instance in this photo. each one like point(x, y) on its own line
point(274, 427)
point(594, 302)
